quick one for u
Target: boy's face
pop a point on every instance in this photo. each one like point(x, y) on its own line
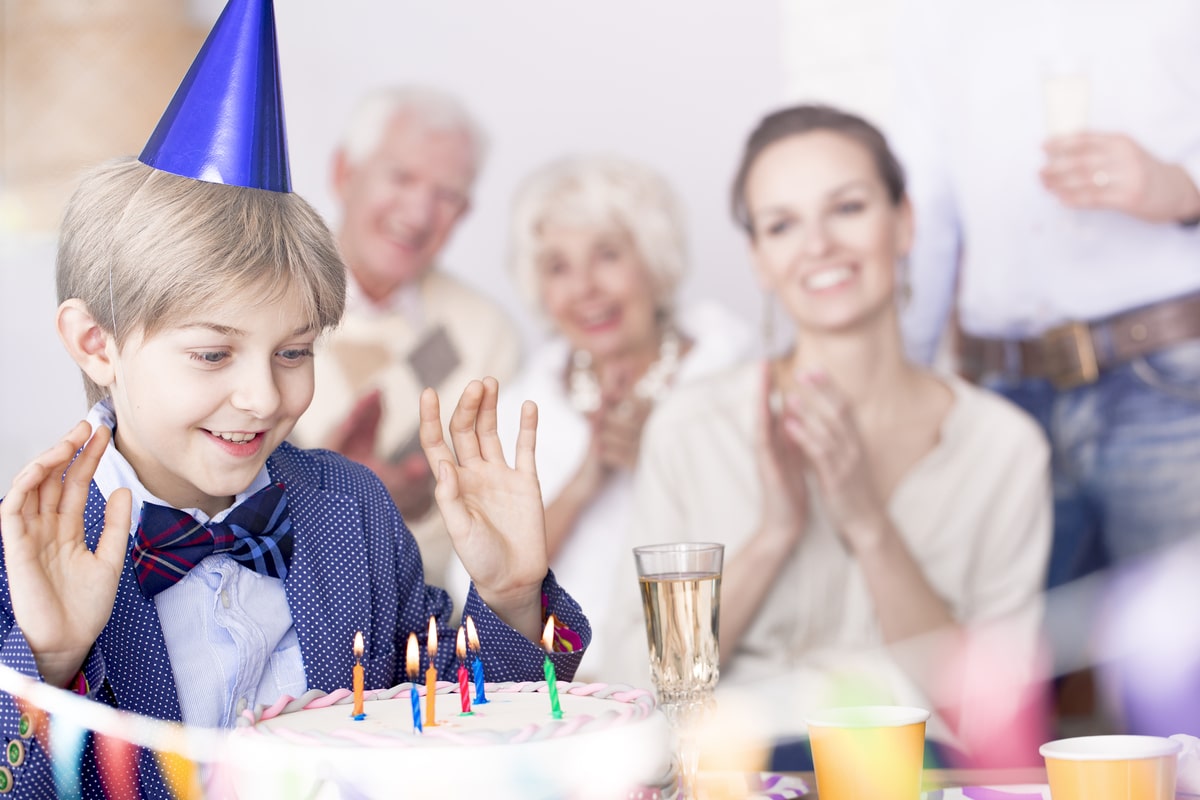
point(201, 404)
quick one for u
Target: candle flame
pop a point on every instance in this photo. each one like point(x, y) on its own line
point(413, 657)
point(460, 646)
point(472, 635)
point(358, 645)
point(548, 635)
point(432, 642)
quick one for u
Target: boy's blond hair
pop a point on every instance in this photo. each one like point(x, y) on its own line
point(143, 248)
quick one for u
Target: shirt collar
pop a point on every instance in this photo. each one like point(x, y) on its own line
point(406, 301)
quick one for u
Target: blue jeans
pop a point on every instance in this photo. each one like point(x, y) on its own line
point(1126, 458)
point(1126, 470)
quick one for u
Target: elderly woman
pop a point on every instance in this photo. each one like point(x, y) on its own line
point(866, 503)
point(598, 251)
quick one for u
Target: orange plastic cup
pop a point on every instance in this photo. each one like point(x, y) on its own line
point(1111, 767)
point(868, 752)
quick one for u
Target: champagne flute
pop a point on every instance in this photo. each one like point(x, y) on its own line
point(681, 597)
point(1065, 92)
point(1066, 95)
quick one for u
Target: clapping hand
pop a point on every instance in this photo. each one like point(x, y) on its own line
point(408, 480)
point(618, 432)
point(1112, 171)
point(616, 435)
point(493, 512)
point(617, 425)
point(819, 419)
point(782, 469)
point(62, 593)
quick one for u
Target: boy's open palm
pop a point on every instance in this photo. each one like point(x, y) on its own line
point(493, 512)
point(62, 593)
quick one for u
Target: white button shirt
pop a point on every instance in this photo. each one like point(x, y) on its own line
point(969, 128)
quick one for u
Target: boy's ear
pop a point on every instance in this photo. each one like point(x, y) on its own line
point(86, 341)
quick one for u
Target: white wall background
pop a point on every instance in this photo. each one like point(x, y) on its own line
point(677, 83)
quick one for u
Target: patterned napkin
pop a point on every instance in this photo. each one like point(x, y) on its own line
point(990, 793)
point(735, 786)
point(773, 786)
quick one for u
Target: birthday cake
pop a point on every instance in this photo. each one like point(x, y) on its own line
point(611, 742)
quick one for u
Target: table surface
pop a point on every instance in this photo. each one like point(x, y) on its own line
point(950, 778)
point(957, 778)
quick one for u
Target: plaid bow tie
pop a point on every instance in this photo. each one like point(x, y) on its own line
point(169, 542)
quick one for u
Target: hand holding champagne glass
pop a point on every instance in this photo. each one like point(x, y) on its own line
point(681, 597)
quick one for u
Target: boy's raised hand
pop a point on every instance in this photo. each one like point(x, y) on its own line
point(494, 513)
point(62, 593)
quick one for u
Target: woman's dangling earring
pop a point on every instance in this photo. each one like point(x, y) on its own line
point(903, 283)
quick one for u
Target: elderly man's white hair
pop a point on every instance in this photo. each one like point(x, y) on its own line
point(432, 109)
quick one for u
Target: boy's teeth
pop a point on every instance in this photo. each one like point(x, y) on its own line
point(237, 438)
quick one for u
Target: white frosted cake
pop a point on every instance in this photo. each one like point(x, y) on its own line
point(610, 743)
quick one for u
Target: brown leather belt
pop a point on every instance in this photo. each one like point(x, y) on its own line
point(1076, 353)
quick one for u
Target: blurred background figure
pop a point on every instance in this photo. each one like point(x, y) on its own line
point(1054, 155)
point(867, 505)
point(66, 65)
point(403, 174)
point(598, 250)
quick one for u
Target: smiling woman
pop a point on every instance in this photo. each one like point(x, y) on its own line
point(598, 251)
point(859, 496)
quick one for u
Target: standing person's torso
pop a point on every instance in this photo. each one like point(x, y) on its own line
point(1028, 262)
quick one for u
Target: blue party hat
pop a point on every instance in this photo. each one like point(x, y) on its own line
point(225, 123)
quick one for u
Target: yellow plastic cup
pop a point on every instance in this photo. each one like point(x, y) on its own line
point(868, 752)
point(1111, 767)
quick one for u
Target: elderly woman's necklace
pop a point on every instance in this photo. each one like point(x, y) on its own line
point(583, 387)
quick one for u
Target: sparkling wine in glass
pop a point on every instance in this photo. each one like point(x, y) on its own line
point(1066, 93)
point(681, 596)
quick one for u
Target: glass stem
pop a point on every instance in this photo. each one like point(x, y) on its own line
point(689, 761)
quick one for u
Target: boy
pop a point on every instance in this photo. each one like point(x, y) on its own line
point(192, 307)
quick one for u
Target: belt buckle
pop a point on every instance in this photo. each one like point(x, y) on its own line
point(1073, 339)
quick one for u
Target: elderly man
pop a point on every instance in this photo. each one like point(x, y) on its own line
point(403, 174)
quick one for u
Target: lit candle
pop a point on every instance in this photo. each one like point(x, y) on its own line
point(476, 662)
point(464, 691)
point(548, 668)
point(358, 676)
point(413, 658)
point(431, 645)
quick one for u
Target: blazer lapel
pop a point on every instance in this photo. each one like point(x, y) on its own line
point(328, 583)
